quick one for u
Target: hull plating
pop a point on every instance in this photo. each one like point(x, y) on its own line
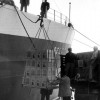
point(12, 64)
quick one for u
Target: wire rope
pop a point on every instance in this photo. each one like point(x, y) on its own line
point(24, 27)
point(82, 43)
point(87, 37)
point(27, 17)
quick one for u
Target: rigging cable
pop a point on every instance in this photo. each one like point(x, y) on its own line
point(27, 17)
point(86, 37)
point(67, 34)
point(24, 27)
point(82, 43)
point(34, 22)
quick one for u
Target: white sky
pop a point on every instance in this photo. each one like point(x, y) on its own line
point(85, 17)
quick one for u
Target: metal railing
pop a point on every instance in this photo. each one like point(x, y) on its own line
point(57, 17)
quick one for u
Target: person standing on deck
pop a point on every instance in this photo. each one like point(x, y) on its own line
point(45, 6)
point(24, 4)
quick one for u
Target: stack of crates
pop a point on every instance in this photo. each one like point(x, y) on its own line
point(39, 69)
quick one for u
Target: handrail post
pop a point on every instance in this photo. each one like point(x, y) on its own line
point(65, 20)
point(61, 17)
point(54, 15)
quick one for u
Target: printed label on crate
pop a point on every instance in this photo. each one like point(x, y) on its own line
point(38, 83)
point(38, 64)
point(38, 54)
point(44, 64)
point(27, 72)
point(33, 83)
point(34, 55)
point(44, 54)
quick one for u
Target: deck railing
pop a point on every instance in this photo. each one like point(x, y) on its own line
point(57, 16)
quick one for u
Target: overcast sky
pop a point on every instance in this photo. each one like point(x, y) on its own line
point(85, 17)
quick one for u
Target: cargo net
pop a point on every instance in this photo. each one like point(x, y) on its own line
point(40, 69)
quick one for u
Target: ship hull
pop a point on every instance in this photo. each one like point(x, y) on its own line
point(12, 65)
point(17, 37)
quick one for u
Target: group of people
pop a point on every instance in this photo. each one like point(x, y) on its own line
point(44, 7)
point(65, 90)
point(24, 3)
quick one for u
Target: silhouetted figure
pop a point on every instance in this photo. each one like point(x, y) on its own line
point(24, 4)
point(45, 93)
point(44, 8)
point(94, 65)
point(70, 60)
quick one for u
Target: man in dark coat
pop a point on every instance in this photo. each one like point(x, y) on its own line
point(24, 4)
point(71, 59)
point(44, 8)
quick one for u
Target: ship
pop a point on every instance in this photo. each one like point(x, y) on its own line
point(19, 35)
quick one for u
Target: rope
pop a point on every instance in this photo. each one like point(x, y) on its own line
point(27, 17)
point(38, 32)
point(86, 37)
point(82, 43)
point(24, 27)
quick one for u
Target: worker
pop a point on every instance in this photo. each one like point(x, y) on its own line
point(70, 61)
point(64, 87)
point(44, 8)
point(24, 4)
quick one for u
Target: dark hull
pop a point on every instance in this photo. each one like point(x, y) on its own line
point(12, 64)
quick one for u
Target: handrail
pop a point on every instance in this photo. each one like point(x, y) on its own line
point(57, 17)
